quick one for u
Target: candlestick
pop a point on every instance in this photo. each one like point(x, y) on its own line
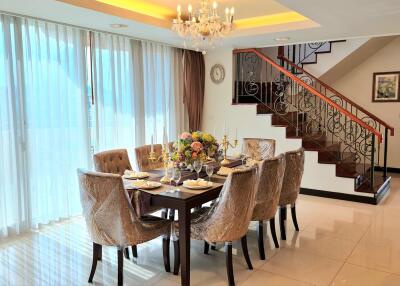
point(226, 144)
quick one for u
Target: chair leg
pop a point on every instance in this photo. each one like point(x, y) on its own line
point(246, 252)
point(177, 258)
point(126, 253)
point(282, 221)
point(100, 254)
point(294, 217)
point(206, 247)
point(229, 264)
point(273, 232)
point(134, 251)
point(260, 235)
point(96, 248)
point(120, 266)
point(166, 241)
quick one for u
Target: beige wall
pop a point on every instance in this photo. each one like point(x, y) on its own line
point(357, 85)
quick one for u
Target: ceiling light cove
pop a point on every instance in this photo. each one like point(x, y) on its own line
point(142, 7)
point(270, 20)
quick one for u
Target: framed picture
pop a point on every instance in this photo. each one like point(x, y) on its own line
point(386, 87)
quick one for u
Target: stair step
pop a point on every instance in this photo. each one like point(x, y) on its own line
point(288, 119)
point(335, 156)
point(379, 182)
point(351, 170)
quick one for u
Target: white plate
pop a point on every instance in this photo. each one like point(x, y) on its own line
point(209, 185)
point(135, 176)
point(151, 185)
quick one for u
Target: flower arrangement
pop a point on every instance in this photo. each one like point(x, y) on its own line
point(195, 146)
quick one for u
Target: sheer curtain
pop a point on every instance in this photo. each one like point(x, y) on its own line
point(44, 126)
point(163, 91)
point(116, 96)
point(138, 90)
point(13, 197)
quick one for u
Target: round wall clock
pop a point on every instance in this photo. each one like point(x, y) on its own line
point(217, 73)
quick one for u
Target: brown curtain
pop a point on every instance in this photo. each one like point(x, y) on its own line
point(193, 87)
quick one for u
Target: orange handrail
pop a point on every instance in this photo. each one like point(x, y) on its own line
point(339, 94)
point(312, 90)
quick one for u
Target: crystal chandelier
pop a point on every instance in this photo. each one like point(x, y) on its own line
point(202, 30)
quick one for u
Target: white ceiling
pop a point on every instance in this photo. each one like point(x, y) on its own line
point(337, 19)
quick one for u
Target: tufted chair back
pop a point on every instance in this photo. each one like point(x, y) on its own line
point(259, 149)
point(230, 217)
point(112, 161)
point(142, 157)
point(269, 185)
point(292, 178)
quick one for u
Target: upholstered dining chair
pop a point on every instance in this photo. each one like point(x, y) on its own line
point(269, 185)
point(258, 148)
point(111, 219)
point(227, 220)
point(291, 188)
point(114, 162)
point(142, 157)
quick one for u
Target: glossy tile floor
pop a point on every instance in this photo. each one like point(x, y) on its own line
point(340, 243)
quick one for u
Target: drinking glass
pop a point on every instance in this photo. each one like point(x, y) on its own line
point(209, 171)
point(197, 165)
point(243, 157)
point(170, 174)
point(176, 176)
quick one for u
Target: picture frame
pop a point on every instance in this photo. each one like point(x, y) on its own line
point(386, 87)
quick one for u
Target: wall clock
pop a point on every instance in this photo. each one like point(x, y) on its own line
point(217, 73)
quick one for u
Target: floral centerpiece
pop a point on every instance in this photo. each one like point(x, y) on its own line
point(195, 146)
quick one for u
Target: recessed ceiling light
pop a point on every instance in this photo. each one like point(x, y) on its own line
point(283, 39)
point(118, 26)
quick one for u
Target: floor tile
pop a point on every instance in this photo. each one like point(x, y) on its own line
point(353, 275)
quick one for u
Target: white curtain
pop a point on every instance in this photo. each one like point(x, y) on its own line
point(114, 73)
point(163, 91)
point(138, 90)
point(44, 122)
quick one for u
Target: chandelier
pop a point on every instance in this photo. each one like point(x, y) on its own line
point(202, 30)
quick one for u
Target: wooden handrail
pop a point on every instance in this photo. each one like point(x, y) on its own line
point(339, 94)
point(312, 90)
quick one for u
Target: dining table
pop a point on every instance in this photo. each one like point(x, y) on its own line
point(183, 201)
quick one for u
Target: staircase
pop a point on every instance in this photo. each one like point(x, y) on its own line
point(341, 132)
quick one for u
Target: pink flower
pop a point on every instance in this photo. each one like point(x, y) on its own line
point(194, 155)
point(196, 146)
point(186, 135)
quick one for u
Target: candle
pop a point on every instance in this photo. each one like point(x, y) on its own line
point(165, 138)
point(225, 127)
point(236, 134)
point(232, 12)
point(152, 146)
point(215, 132)
point(227, 14)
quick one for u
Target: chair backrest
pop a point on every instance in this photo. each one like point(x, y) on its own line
point(112, 161)
point(108, 213)
point(231, 215)
point(142, 157)
point(292, 178)
point(269, 185)
point(258, 148)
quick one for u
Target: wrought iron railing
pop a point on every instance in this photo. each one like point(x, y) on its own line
point(347, 134)
point(305, 53)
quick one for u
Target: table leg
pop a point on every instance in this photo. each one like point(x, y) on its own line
point(184, 244)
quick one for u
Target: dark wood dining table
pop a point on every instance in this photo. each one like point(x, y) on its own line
point(184, 201)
